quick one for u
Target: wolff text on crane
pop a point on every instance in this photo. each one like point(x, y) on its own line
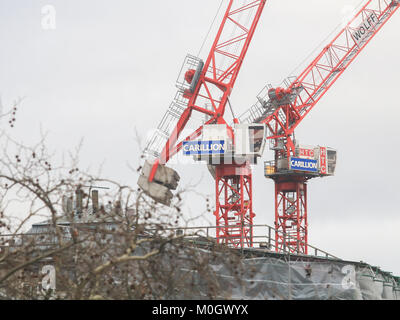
point(365, 28)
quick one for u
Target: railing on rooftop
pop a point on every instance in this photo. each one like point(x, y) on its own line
point(263, 238)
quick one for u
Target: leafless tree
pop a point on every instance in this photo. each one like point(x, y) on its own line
point(10, 113)
point(124, 246)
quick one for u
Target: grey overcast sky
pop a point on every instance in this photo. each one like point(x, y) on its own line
point(110, 67)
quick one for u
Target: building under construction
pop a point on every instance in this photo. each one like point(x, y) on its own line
point(264, 272)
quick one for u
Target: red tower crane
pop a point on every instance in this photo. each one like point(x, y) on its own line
point(283, 109)
point(205, 88)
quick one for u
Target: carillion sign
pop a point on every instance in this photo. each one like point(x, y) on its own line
point(203, 147)
point(299, 164)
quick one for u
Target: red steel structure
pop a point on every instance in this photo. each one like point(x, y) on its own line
point(209, 95)
point(287, 107)
point(234, 208)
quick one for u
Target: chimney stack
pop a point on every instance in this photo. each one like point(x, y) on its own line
point(79, 201)
point(67, 205)
point(95, 200)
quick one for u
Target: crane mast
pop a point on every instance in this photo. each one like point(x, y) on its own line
point(282, 110)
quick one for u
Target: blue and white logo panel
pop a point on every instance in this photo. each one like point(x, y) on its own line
point(203, 147)
point(303, 164)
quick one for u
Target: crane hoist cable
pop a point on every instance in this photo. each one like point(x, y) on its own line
point(209, 30)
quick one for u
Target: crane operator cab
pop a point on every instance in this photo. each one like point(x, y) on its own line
point(308, 160)
point(221, 144)
point(250, 140)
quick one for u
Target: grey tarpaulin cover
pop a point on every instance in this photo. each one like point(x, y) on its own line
point(262, 274)
point(278, 279)
point(277, 276)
